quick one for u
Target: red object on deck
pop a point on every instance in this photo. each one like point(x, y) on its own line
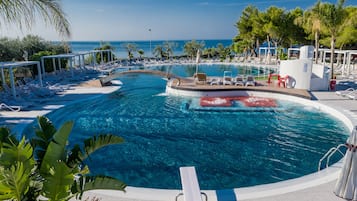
point(216, 102)
point(332, 85)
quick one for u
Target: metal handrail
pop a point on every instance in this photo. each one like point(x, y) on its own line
point(329, 153)
point(180, 194)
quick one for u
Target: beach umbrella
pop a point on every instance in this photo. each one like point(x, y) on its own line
point(198, 58)
point(346, 186)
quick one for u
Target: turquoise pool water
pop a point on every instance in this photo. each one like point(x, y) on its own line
point(210, 70)
point(229, 149)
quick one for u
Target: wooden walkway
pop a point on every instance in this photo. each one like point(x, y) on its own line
point(190, 84)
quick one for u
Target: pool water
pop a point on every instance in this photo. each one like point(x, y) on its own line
point(228, 148)
point(188, 70)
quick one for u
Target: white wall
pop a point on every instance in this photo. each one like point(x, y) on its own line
point(299, 71)
point(320, 78)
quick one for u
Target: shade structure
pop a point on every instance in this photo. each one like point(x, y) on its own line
point(346, 186)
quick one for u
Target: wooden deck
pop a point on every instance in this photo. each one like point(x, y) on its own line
point(190, 85)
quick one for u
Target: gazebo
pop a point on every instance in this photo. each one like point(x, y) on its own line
point(12, 65)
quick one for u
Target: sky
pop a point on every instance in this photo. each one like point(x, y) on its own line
point(131, 20)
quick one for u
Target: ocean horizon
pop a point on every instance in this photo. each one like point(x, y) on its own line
point(145, 45)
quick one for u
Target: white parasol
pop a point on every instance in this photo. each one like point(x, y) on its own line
point(198, 58)
point(346, 186)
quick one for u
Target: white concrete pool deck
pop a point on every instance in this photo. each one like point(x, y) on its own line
point(322, 192)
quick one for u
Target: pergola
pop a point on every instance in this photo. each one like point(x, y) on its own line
point(58, 57)
point(292, 49)
point(72, 59)
point(346, 62)
point(267, 50)
point(13, 65)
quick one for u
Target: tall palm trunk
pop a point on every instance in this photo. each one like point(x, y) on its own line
point(332, 55)
point(317, 44)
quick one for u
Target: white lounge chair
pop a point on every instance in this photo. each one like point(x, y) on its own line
point(345, 92)
point(190, 187)
point(239, 80)
point(227, 78)
point(352, 95)
point(215, 81)
point(5, 107)
point(250, 81)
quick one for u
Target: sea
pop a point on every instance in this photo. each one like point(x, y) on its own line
point(147, 46)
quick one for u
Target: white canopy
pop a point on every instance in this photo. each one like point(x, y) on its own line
point(11, 66)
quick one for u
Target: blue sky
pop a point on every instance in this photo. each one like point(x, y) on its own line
point(167, 19)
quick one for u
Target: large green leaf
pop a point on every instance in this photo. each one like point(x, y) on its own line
point(103, 182)
point(97, 182)
point(56, 150)
point(44, 136)
point(14, 182)
point(6, 137)
point(97, 142)
point(57, 184)
point(12, 153)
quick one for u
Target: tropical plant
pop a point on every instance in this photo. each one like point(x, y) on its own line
point(169, 48)
point(222, 51)
point(332, 19)
point(191, 48)
point(311, 22)
point(348, 35)
point(130, 49)
point(106, 55)
point(141, 53)
point(24, 12)
point(275, 26)
point(250, 31)
point(46, 167)
point(159, 51)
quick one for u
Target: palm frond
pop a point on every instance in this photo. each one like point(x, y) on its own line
point(14, 182)
point(96, 182)
point(97, 142)
point(24, 13)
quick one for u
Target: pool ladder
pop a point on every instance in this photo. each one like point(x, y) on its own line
point(331, 152)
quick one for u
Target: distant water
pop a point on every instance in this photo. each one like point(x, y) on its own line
point(120, 51)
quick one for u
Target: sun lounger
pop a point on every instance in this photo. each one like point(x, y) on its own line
point(345, 92)
point(239, 80)
point(201, 78)
point(250, 81)
point(352, 95)
point(227, 78)
point(190, 187)
point(215, 81)
point(5, 107)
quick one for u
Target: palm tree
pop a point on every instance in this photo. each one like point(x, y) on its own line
point(24, 12)
point(45, 167)
point(311, 22)
point(169, 48)
point(348, 35)
point(141, 53)
point(159, 51)
point(130, 48)
point(332, 18)
point(191, 47)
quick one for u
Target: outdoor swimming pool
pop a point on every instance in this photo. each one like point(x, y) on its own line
point(229, 149)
